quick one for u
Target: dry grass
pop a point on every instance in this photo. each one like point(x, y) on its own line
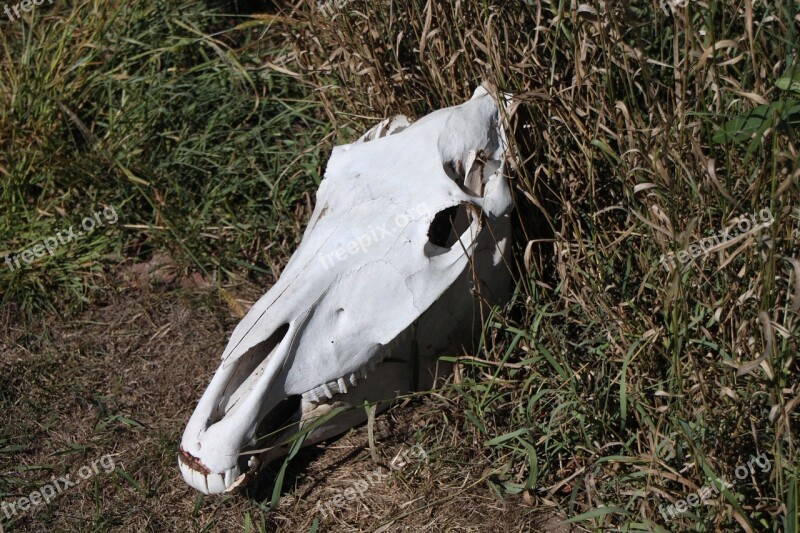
point(619, 389)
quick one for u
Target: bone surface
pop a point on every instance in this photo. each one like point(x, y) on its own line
point(405, 250)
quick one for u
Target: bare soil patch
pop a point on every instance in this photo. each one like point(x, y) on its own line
point(121, 379)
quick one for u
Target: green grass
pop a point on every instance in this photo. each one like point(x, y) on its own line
point(165, 112)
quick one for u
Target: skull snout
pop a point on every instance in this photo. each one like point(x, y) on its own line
point(231, 412)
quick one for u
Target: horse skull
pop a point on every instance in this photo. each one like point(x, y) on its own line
point(406, 243)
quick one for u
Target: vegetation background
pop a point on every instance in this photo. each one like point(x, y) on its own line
point(609, 386)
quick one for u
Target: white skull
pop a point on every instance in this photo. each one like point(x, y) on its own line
point(406, 244)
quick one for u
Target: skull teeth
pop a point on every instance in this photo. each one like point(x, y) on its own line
point(341, 385)
point(327, 390)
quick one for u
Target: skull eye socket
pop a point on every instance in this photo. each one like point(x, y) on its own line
point(447, 227)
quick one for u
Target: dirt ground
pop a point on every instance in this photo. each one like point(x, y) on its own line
point(121, 379)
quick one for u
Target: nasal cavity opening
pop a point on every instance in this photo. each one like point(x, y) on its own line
point(249, 368)
point(447, 227)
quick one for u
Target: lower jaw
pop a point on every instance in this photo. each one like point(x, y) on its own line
point(254, 457)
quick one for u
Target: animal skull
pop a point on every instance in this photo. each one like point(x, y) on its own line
point(406, 245)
